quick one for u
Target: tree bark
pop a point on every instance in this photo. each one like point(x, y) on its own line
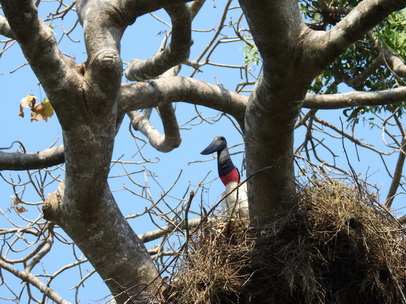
point(85, 100)
point(143, 95)
point(27, 161)
point(273, 107)
point(100, 230)
point(292, 56)
point(354, 99)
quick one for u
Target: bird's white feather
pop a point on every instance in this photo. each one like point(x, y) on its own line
point(236, 202)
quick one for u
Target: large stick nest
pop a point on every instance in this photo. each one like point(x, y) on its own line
point(336, 246)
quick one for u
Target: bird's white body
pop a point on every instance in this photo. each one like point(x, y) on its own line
point(235, 200)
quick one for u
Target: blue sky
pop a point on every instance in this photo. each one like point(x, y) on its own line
point(141, 41)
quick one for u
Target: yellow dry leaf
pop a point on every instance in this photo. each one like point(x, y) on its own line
point(27, 102)
point(43, 110)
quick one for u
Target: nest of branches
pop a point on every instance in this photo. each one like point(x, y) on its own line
point(336, 246)
point(213, 270)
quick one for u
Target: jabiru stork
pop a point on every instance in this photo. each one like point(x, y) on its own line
point(235, 200)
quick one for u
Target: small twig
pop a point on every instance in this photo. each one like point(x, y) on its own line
point(189, 202)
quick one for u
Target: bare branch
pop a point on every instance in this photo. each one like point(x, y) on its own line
point(395, 62)
point(37, 160)
point(5, 29)
point(171, 138)
point(45, 248)
point(163, 143)
point(144, 95)
point(354, 99)
point(397, 175)
point(29, 278)
point(177, 52)
point(209, 46)
point(158, 233)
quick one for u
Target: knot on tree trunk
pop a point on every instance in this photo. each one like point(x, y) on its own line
point(53, 204)
point(107, 58)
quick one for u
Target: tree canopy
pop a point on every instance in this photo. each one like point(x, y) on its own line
point(309, 87)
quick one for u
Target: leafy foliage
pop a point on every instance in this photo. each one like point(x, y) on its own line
point(391, 34)
point(251, 55)
point(392, 31)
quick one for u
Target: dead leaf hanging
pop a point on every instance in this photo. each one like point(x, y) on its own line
point(27, 102)
point(43, 110)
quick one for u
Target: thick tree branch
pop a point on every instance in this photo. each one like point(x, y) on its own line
point(27, 161)
point(153, 93)
point(358, 81)
point(354, 99)
point(395, 62)
point(195, 7)
point(83, 205)
point(5, 28)
point(270, 119)
point(174, 54)
point(171, 138)
point(91, 124)
point(141, 7)
point(276, 29)
point(323, 47)
point(104, 25)
point(162, 142)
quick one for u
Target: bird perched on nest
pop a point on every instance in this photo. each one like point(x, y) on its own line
point(235, 200)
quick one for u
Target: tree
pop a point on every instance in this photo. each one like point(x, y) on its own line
point(301, 67)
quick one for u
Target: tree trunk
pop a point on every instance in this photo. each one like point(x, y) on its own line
point(273, 106)
point(269, 135)
point(293, 55)
point(108, 241)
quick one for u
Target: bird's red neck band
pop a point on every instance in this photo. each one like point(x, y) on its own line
point(233, 176)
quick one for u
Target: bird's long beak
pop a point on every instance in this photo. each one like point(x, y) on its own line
point(214, 146)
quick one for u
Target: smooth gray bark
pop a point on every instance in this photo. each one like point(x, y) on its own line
point(175, 53)
point(26, 161)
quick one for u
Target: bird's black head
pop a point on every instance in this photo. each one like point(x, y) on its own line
point(218, 144)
